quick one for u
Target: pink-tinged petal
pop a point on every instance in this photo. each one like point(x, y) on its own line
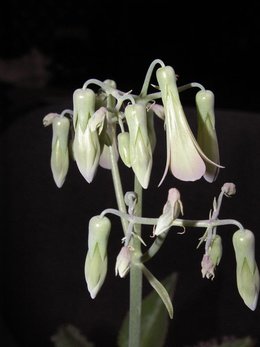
point(186, 163)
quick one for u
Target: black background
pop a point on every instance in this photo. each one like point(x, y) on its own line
point(44, 230)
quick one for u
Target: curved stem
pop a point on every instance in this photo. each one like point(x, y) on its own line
point(190, 85)
point(149, 75)
point(156, 245)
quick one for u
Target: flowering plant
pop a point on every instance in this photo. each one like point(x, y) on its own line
point(108, 126)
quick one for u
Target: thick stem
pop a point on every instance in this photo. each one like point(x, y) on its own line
point(136, 275)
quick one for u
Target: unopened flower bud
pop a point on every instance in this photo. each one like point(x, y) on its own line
point(86, 146)
point(212, 258)
point(140, 147)
point(171, 211)
point(83, 107)
point(229, 189)
point(96, 260)
point(124, 147)
point(207, 267)
point(123, 262)
point(207, 137)
point(248, 281)
point(60, 152)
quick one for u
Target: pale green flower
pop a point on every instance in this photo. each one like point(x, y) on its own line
point(207, 137)
point(248, 282)
point(96, 260)
point(60, 152)
point(171, 211)
point(140, 148)
point(86, 146)
point(59, 147)
point(185, 158)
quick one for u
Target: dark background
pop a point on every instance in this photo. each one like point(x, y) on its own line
point(47, 51)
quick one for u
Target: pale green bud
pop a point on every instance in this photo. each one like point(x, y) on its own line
point(60, 152)
point(123, 262)
point(207, 137)
point(83, 107)
point(96, 260)
point(123, 140)
point(86, 146)
point(140, 147)
point(248, 281)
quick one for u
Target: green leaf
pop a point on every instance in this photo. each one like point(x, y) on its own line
point(70, 336)
point(155, 318)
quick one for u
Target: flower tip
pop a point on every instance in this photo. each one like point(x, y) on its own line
point(252, 305)
point(58, 182)
point(93, 294)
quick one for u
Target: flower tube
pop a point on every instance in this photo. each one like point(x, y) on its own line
point(185, 159)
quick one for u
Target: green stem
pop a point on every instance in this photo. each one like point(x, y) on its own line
point(118, 187)
point(136, 277)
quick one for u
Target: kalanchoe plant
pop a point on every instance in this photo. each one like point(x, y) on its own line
point(111, 125)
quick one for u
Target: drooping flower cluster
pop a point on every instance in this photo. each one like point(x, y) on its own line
point(102, 120)
point(107, 125)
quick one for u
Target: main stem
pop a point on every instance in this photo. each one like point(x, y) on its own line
point(135, 309)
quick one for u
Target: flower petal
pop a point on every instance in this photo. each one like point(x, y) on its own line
point(185, 162)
